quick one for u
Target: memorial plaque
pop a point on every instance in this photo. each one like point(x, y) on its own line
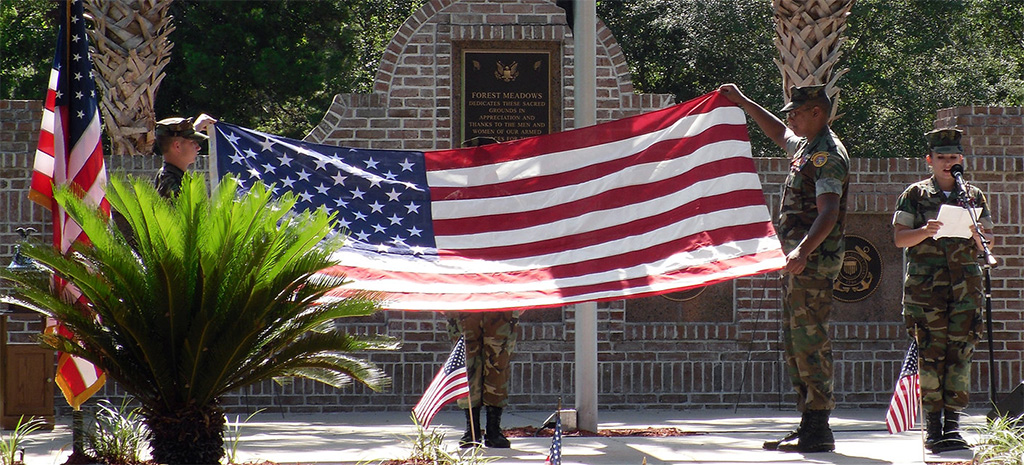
point(861, 273)
point(506, 90)
point(870, 285)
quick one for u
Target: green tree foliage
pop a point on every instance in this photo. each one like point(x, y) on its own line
point(910, 58)
point(689, 47)
point(27, 39)
point(907, 59)
point(375, 23)
point(220, 292)
point(274, 65)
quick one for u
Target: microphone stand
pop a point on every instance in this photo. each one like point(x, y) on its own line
point(990, 261)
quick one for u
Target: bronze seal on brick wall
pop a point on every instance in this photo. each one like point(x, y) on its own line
point(861, 272)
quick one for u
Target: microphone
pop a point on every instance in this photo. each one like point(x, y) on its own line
point(957, 171)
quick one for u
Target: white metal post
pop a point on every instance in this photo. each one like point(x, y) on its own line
point(585, 114)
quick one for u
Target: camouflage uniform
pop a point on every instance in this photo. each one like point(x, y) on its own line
point(819, 166)
point(168, 180)
point(490, 342)
point(942, 294)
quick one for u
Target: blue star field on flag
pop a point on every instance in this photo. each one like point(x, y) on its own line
point(555, 452)
point(380, 197)
point(76, 91)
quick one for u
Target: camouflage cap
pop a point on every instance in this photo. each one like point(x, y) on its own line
point(945, 140)
point(800, 95)
point(178, 127)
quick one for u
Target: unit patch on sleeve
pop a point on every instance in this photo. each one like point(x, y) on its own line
point(819, 159)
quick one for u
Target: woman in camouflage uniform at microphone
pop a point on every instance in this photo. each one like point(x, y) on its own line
point(942, 290)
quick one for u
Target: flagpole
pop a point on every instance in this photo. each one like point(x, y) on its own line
point(920, 401)
point(585, 114)
point(64, 76)
point(211, 159)
point(469, 409)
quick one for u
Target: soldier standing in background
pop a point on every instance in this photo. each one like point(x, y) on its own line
point(942, 291)
point(178, 142)
point(490, 342)
point(810, 226)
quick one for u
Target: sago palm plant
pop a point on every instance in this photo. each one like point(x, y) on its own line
point(219, 293)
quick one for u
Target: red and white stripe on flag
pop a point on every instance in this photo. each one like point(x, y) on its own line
point(70, 152)
point(906, 397)
point(449, 384)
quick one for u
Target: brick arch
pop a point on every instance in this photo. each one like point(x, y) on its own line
point(606, 40)
point(410, 104)
point(393, 52)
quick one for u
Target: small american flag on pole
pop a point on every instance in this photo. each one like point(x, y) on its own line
point(656, 203)
point(555, 452)
point(449, 384)
point(906, 398)
point(70, 153)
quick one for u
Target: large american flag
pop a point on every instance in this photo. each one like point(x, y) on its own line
point(449, 384)
point(646, 205)
point(70, 153)
point(906, 397)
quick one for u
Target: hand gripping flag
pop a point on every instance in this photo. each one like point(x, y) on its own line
point(449, 384)
point(651, 204)
point(906, 398)
point(70, 153)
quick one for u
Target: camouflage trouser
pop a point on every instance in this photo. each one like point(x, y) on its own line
point(807, 305)
point(490, 342)
point(941, 311)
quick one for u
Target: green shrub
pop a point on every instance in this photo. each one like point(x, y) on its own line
point(118, 434)
point(1000, 442)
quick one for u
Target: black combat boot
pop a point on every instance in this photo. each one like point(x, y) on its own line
point(472, 424)
point(789, 439)
point(814, 434)
point(933, 431)
point(494, 437)
point(951, 439)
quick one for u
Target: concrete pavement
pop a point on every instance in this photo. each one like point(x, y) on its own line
point(723, 437)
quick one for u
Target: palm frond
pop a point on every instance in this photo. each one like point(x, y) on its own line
point(210, 293)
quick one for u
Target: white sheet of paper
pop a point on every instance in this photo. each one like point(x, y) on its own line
point(956, 221)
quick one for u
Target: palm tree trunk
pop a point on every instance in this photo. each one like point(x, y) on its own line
point(131, 49)
point(193, 435)
point(808, 34)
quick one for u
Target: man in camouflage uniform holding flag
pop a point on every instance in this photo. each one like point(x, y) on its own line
point(810, 225)
point(942, 290)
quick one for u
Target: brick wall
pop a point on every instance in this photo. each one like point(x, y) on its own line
point(711, 353)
